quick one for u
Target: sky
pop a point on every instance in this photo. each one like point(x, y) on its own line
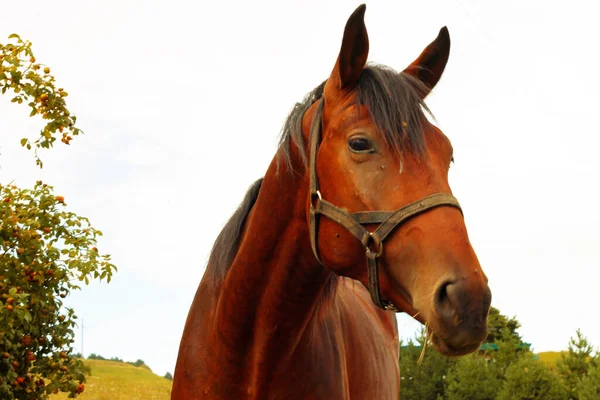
point(182, 103)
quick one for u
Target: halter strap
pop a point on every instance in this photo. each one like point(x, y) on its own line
point(354, 222)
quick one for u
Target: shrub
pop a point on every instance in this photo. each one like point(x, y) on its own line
point(532, 380)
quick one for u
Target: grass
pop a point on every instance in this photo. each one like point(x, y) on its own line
point(550, 357)
point(112, 380)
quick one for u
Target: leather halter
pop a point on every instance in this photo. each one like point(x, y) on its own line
point(354, 222)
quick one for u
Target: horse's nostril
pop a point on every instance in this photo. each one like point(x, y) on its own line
point(443, 301)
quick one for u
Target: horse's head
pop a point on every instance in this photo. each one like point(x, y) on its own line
point(378, 151)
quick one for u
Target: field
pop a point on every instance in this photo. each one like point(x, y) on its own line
point(550, 358)
point(112, 380)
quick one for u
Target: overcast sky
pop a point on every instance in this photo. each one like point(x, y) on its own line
point(182, 104)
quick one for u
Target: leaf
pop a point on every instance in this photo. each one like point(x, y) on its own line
point(23, 142)
point(14, 35)
point(27, 316)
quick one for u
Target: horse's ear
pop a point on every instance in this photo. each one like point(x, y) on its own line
point(429, 66)
point(353, 54)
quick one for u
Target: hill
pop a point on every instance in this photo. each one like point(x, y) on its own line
point(550, 357)
point(112, 380)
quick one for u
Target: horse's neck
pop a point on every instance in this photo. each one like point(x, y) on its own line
point(275, 283)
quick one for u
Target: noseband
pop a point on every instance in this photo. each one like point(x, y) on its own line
point(354, 222)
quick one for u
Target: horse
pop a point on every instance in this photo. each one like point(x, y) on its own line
point(353, 221)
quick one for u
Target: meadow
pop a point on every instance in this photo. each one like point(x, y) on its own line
point(111, 380)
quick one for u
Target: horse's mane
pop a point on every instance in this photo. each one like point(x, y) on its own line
point(395, 102)
point(226, 246)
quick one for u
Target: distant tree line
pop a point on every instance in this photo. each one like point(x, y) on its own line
point(504, 368)
point(137, 363)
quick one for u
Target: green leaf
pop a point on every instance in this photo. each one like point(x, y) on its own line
point(27, 316)
point(14, 35)
point(23, 141)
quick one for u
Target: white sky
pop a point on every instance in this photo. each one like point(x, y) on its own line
point(182, 103)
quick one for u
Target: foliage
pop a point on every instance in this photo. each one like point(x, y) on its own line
point(425, 381)
point(588, 388)
point(137, 363)
point(122, 381)
point(509, 370)
point(576, 363)
point(45, 252)
point(531, 379)
point(501, 327)
point(32, 83)
point(473, 377)
point(509, 352)
point(95, 356)
point(168, 376)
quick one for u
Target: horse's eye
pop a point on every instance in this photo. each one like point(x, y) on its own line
point(360, 145)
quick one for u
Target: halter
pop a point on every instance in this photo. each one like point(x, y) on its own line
point(372, 241)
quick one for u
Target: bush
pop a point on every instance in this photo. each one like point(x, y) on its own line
point(576, 363)
point(532, 380)
point(425, 381)
point(168, 376)
point(473, 377)
point(137, 363)
point(588, 387)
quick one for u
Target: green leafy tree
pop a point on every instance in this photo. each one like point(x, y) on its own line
point(588, 388)
point(427, 380)
point(509, 352)
point(473, 377)
point(32, 83)
point(531, 380)
point(45, 251)
point(500, 327)
point(137, 363)
point(576, 363)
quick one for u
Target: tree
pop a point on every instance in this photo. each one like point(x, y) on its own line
point(425, 381)
point(168, 376)
point(532, 380)
point(473, 377)
point(500, 327)
point(576, 363)
point(137, 363)
point(44, 251)
point(588, 388)
point(32, 82)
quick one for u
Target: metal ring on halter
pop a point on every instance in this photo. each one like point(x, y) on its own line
point(316, 193)
point(370, 253)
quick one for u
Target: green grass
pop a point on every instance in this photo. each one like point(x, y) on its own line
point(112, 380)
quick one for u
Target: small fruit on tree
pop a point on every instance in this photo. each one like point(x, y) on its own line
point(20, 74)
point(38, 268)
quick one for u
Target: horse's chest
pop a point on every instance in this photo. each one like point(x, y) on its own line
point(340, 360)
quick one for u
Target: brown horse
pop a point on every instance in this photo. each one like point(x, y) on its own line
point(290, 307)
